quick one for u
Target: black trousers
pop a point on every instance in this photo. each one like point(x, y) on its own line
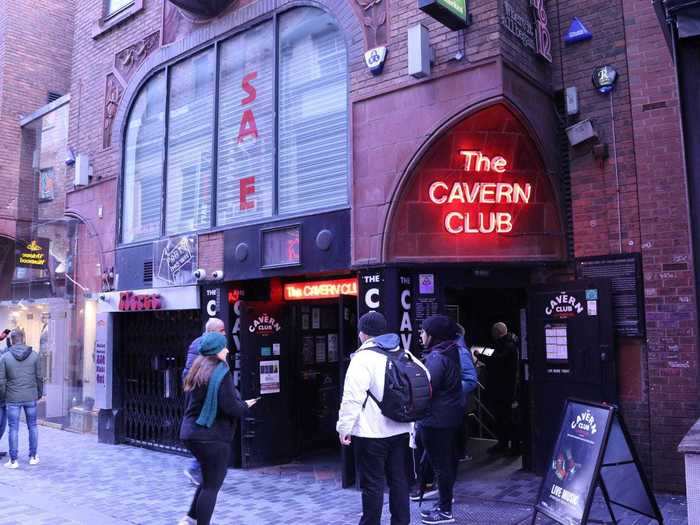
point(502, 411)
point(381, 461)
point(213, 457)
point(440, 443)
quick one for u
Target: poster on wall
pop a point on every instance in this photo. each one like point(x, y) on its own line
point(320, 348)
point(269, 377)
point(175, 261)
point(308, 349)
point(315, 318)
point(332, 348)
point(103, 361)
point(556, 344)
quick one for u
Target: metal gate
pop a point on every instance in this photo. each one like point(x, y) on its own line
point(151, 350)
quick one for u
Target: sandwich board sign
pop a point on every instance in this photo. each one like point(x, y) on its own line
point(593, 449)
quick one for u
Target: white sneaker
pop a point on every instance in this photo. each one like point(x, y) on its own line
point(34, 460)
point(12, 464)
point(186, 521)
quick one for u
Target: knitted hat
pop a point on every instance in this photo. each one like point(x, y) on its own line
point(212, 343)
point(440, 327)
point(372, 324)
point(498, 330)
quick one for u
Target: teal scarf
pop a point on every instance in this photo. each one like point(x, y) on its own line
point(208, 413)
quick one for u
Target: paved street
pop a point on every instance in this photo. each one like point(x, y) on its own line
point(82, 482)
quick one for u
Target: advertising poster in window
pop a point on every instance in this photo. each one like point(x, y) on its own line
point(246, 127)
point(175, 261)
point(308, 349)
point(320, 348)
point(332, 348)
point(269, 377)
point(570, 477)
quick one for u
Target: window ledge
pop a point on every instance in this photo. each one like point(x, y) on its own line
point(107, 23)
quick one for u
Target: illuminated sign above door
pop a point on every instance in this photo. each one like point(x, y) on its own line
point(480, 192)
point(320, 289)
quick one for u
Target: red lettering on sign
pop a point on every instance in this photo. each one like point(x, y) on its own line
point(247, 188)
point(249, 88)
point(130, 302)
point(248, 126)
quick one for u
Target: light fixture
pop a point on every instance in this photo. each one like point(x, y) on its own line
point(604, 78)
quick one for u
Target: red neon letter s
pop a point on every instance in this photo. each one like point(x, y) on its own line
point(249, 88)
point(247, 188)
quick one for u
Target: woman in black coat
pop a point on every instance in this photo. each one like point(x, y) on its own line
point(213, 407)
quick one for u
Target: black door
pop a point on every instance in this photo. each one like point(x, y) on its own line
point(571, 354)
point(266, 435)
point(347, 345)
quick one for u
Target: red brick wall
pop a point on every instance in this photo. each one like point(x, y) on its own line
point(32, 63)
point(668, 267)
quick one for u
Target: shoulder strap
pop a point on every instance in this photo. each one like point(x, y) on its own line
point(388, 355)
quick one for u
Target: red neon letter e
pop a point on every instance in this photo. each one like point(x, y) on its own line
point(247, 188)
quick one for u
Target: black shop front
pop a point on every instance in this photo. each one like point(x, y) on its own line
point(477, 231)
point(291, 315)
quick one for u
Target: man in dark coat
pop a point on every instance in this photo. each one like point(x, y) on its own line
point(3, 412)
point(194, 472)
point(21, 386)
point(502, 373)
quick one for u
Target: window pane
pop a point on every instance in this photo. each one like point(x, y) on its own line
point(313, 119)
point(191, 128)
point(143, 163)
point(116, 5)
point(246, 127)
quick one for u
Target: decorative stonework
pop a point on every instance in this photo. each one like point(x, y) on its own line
point(374, 17)
point(178, 22)
point(113, 94)
point(128, 60)
point(203, 9)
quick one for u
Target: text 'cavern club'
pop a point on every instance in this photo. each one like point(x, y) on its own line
point(479, 192)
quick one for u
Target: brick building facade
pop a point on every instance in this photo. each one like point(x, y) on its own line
point(632, 202)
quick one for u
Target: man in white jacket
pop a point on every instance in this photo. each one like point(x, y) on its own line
point(381, 444)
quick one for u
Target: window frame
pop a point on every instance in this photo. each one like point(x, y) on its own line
point(216, 43)
point(109, 14)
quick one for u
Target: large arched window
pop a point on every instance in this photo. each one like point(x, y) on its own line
point(272, 141)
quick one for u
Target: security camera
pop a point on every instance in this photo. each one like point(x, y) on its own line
point(70, 157)
point(200, 274)
point(103, 297)
point(217, 275)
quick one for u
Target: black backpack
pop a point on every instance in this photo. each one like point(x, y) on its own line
point(407, 390)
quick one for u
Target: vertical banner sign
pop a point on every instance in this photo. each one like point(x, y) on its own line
point(103, 361)
point(405, 303)
point(214, 303)
point(371, 292)
point(542, 36)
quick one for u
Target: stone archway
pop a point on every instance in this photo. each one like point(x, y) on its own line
point(480, 192)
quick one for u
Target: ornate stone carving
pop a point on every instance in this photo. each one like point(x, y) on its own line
point(181, 21)
point(113, 95)
point(203, 8)
point(375, 18)
point(128, 60)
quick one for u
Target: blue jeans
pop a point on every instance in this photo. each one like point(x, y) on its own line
point(3, 420)
point(13, 411)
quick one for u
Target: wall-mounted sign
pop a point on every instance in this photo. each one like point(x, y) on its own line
point(264, 325)
point(531, 29)
point(604, 78)
point(32, 254)
point(577, 32)
point(479, 193)
point(450, 13)
point(375, 58)
point(320, 289)
point(563, 305)
point(174, 261)
point(103, 361)
point(131, 302)
point(281, 247)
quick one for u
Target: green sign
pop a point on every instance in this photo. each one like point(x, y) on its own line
point(450, 13)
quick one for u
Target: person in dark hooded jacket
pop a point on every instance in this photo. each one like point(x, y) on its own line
point(3, 413)
point(439, 430)
point(21, 386)
point(502, 374)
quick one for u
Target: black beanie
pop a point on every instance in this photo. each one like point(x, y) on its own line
point(440, 328)
point(372, 324)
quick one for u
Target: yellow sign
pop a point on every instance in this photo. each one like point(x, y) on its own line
point(33, 255)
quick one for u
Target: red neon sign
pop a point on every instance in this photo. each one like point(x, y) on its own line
point(130, 302)
point(320, 289)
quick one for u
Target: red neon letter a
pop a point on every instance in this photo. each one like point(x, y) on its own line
point(248, 126)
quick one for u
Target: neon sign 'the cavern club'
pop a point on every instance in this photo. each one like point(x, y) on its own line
point(479, 192)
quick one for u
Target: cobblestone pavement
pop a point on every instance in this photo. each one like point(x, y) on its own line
point(82, 482)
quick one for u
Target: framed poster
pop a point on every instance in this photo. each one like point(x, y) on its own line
point(320, 348)
point(332, 348)
point(308, 349)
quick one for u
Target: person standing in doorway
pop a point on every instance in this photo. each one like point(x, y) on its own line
point(214, 325)
point(502, 373)
point(213, 408)
point(381, 444)
point(21, 385)
point(440, 429)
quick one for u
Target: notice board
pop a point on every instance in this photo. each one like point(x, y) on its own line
point(625, 274)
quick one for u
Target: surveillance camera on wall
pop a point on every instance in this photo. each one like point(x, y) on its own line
point(217, 275)
point(200, 274)
point(70, 157)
